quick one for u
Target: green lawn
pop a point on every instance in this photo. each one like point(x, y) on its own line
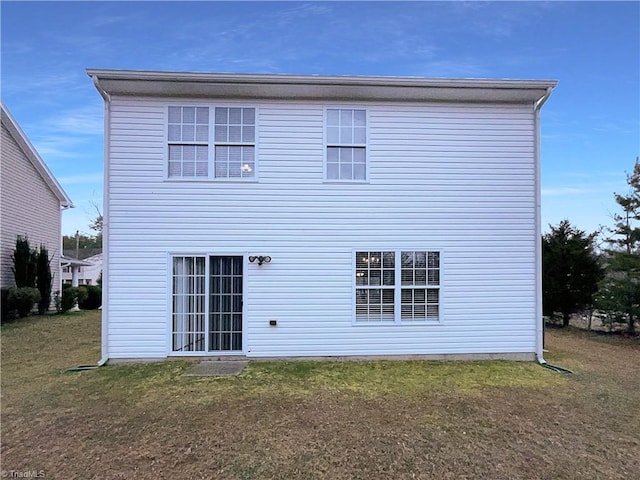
point(328, 420)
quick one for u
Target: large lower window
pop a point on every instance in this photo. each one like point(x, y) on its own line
point(397, 286)
point(420, 285)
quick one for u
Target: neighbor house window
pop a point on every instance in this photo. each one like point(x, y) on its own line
point(346, 136)
point(235, 142)
point(188, 139)
point(400, 286)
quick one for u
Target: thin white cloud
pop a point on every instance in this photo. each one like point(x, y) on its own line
point(68, 137)
point(498, 19)
point(454, 68)
point(108, 20)
point(562, 191)
point(82, 178)
point(81, 121)
point(589, 186)
point(46, 83)
point(291, 15)
point(61, 134)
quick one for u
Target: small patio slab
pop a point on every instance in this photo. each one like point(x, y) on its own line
point(217, 368)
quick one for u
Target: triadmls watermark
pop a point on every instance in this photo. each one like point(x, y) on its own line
point(23, 474)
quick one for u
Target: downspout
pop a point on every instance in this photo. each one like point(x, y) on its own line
point(105, 225)
point(538, 247)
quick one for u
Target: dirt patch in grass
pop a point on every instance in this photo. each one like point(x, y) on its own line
point(317, 420)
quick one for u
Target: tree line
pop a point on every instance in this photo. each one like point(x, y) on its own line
point(580, 275)
point(81, 241)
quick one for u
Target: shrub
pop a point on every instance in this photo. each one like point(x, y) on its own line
point(22, 299)
point(8, 313)
point(94, 298)
point(43, 279)
point(24, 263)
point(57, 300)
point(69, 296)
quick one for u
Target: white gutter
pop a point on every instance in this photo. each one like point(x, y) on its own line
point(101, 91)
point(538, 246)
point(105, 225)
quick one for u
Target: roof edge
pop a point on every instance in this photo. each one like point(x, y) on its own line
point(276, 78)
point(316, 87)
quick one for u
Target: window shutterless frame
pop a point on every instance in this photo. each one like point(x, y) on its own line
point(345, 144)
point(230, 148)
point(187, 142)
point(398, 287)
point(207, 306)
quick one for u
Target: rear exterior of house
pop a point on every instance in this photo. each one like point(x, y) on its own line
point(295, 216)
point(31, 201)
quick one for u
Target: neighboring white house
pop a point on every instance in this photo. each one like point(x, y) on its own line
point(87, 268)
point(31, 201)
point(276, 215)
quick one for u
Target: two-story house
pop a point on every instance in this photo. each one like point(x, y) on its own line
point(286, 216)
point(31, 201)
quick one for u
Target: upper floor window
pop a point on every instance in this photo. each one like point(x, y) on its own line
point(188, 138)
point(346, 135)
point(235, 147)
point(192, 154)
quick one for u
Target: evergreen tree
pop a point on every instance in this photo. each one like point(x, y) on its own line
point(44, 278)
point(570, 271)
point(24, 263)
point(620, 289)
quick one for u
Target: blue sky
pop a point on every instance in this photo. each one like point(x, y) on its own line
point(590, 126)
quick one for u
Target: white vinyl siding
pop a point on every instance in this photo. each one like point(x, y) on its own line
point(452, 176)
point(28, 207)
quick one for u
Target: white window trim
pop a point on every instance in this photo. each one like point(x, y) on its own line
point(169, 309)
point(326, 144)
point(211, 145)
point(398, 287)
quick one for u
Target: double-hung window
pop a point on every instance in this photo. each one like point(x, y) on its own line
point(196, 151)
point(235, 147)
point(419, 285)
point(346, 138)
point(188, 138)
point(375, 286)
point(397, 286)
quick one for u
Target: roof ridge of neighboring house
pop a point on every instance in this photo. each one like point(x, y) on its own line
point(32, 154)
